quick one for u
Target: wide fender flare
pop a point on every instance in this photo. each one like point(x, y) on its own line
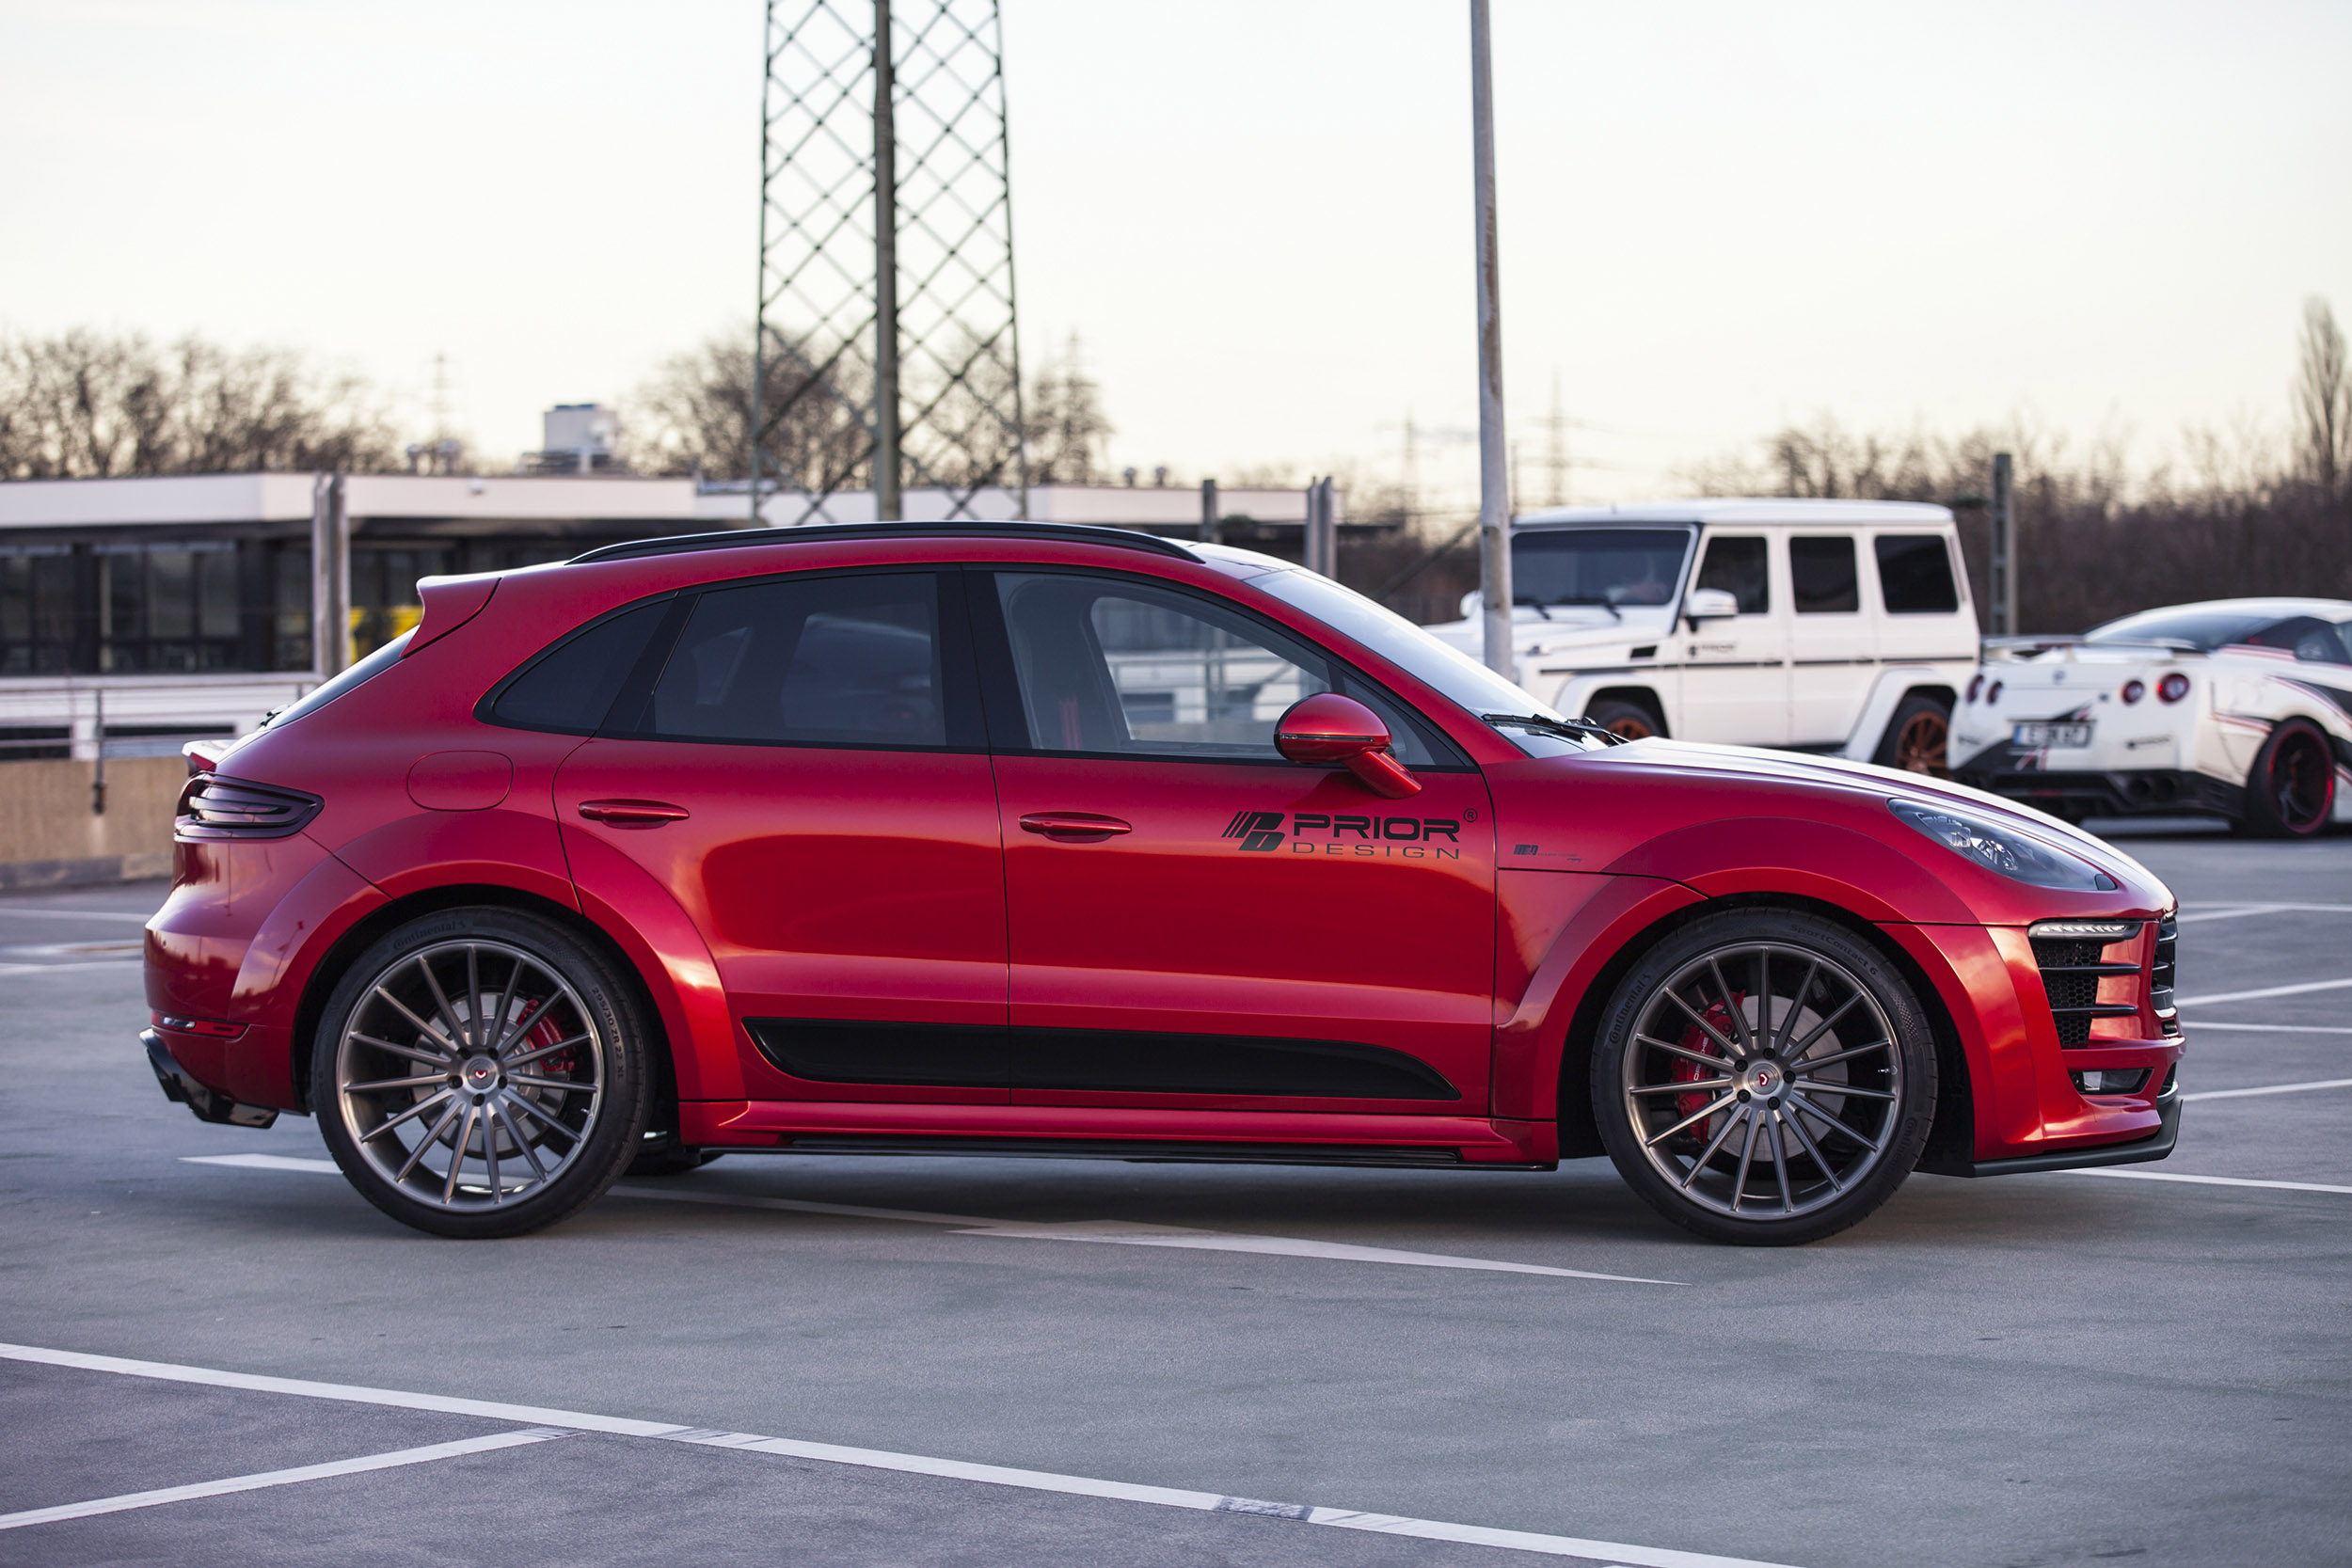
point(423, 850)
point(1820, 861)
point(1975, 970)
point(657, 936)
point(302, 928)
point(1572, 927)
point(1886, 694)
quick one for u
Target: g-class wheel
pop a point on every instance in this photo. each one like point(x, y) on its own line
point(481, 1072)
point(1630, 719)
point(1764, 1077)
point(1919, 737)
point(2290, 792)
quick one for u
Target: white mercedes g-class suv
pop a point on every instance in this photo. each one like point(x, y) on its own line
point(1820, 625)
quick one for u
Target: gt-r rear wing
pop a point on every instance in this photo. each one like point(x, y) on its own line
point(2004, 649)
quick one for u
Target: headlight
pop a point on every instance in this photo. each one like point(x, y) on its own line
point(2003, 849)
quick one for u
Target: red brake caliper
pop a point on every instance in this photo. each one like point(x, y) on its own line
point(1687, 1071)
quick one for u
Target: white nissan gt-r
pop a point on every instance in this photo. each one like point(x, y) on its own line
point(2239, 708)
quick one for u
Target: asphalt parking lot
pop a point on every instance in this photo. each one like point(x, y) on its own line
point(890, 1361)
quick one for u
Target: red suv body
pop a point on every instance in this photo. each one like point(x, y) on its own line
point(1018, 838)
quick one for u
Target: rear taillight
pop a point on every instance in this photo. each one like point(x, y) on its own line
point(1976, 684)
point(2174, 686)
point(211, 807)
point(2135, 691)
point(1994, 694)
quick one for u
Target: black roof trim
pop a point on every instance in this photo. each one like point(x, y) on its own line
point(1072, 533)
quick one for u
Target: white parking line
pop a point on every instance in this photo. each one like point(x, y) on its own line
point(2303, 990)
point(2279, 1028)
point(2271, 1088)
point(1120, 1232)
point(95, 963)
point(906, 1463)
point(2137, 1175)
point(47, 911)
point(279, 1478)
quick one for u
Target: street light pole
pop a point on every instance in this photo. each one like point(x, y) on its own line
point(1494, 470)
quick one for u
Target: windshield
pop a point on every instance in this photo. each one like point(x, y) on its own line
point(2203, 629)
point(1597, 565)
point(1454, 674)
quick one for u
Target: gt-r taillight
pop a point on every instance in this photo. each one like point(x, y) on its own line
point(1976, 684)
point(1994, 694)
point(2174, 686)
point(2135, 691)
point(211, 807)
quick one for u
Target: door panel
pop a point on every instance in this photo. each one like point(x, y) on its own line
point(796, 777)
point(1251, 906)
point(1193, 920)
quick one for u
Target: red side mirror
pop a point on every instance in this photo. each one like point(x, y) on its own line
point(1329, 729)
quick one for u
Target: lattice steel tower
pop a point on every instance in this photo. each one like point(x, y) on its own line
point(886, 352)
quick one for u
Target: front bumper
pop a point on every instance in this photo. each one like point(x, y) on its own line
point(2157, 1145)
point(180, 1085)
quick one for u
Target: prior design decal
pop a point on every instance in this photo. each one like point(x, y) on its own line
point(1310, 832)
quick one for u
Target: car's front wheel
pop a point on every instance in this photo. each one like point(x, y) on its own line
point(1764, 1077)
point(481, 1072)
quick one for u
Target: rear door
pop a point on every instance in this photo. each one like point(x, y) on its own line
point(1195, 922)
point(806, 774)
point(1735, 676)
point(1835, 650)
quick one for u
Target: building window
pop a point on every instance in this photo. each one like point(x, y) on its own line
point(36, 610)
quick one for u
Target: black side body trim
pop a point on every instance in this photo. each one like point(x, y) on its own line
point(833, 1050)
point(1148, 1152)
point(1067, 533)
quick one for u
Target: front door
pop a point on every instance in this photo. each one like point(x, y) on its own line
point(806, 778)
point(1735, 674)
point(1195, 922)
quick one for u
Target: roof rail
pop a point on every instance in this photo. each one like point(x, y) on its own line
point(1073, 534)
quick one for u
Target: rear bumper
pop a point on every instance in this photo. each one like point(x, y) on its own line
point(2120, 792)
point(181, 1086)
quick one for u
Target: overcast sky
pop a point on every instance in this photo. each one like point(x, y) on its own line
point(1715, 216)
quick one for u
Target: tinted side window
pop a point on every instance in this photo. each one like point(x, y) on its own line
point(1821, 573)
point(1109, 665)
point(571, 687)
point(2309, 639)
point(1915, 574)
point(1736, 565)
point(841, 661)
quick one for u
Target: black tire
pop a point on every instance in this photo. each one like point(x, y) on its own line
point(1919, 737)
point(521, 1073)
point(2290, 789)
point(1836, 1099)
point(1631, 720)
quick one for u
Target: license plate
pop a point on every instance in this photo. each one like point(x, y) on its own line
point(2035, 737)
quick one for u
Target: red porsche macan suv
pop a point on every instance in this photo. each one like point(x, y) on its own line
point(1017, 838)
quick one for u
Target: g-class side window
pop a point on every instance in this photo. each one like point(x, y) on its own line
point(1915, 574)
point(1735, 564)
point(1821, 574)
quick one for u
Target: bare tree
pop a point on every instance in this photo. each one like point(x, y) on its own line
point(2323, 399)
point(1067, 425)
point(85, 404)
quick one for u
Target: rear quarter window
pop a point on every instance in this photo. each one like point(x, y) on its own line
point(1915, 574)
point(570, 686)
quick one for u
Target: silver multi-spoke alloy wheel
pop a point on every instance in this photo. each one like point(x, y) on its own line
point(481, 1073)
point(469, 1075)
point(1764, 1078)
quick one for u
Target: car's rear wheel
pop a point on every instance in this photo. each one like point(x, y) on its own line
point(1918, 738)
point(2291, 791)
point(1628, 718)
point(481, 1072)
point(1764, 1077)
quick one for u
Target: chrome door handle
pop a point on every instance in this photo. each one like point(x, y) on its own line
point(632, 814)
point(1075, 827)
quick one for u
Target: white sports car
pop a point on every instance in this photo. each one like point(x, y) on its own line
point(2238, 707)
